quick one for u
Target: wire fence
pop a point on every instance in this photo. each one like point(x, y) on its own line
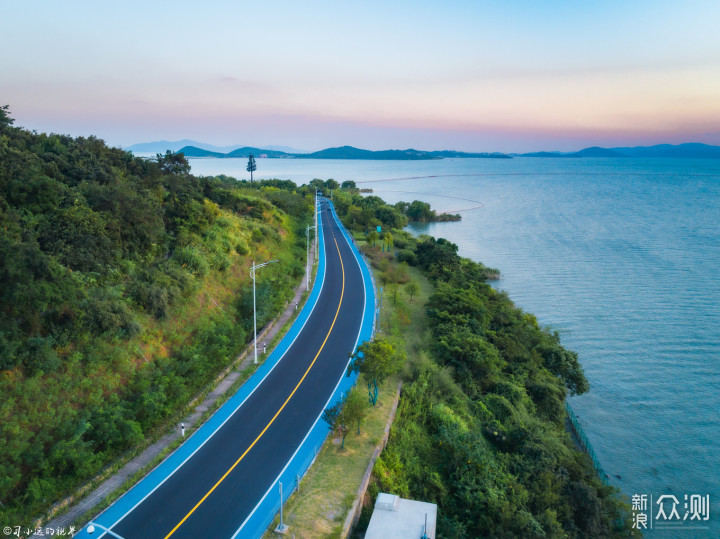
point(585, 444)
point(290, 485)
point(297, 467)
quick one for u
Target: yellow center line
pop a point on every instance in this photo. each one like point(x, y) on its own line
point(342, 291)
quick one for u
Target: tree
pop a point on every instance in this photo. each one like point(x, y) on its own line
point(352, 410)
point(419, 211)
point(393, 289)
point(372, 237)
point(376, 360)
point(388, 239)
point(411, 288)
point(251, 166)
point(349, 184)
point(337, 420)
point(356, 408)
point(173, 163)
point(5, 119)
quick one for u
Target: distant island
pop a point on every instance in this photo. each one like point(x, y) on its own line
point(343, 152)
point(688, 150)
point(194, 149)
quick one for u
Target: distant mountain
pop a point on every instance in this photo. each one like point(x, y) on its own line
point(689, 150)
point(547, 154)
point(194, 151)
point(348, 152)
point(484, 155)
point(593, 151)
point(161, 146)
point(246, 151)
point(286, 149)
point(596, 151)
point(343, 152)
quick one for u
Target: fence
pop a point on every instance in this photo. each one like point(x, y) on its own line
point(585, 444)
point(291, 476)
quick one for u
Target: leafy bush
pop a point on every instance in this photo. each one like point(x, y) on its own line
point(192, 259)
point(39, 356)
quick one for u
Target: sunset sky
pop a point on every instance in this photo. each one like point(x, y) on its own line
point(464, 75)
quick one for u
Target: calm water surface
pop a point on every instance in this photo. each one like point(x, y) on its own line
point(622, 257)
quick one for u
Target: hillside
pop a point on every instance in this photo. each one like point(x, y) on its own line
point(125, 290)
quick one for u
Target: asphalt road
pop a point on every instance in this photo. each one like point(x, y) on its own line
point(214, 491)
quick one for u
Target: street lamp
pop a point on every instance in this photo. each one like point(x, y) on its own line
point(252, 274)
point(307, 255)
point(317, 211)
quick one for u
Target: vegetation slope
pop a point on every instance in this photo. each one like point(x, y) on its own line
point(124, 291)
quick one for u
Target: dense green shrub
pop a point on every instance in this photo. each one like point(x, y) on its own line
point(93, 240)
point(480, 427)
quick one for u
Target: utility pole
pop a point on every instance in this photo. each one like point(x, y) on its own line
point(307, 255)
point(316, 223)
point(252, 274)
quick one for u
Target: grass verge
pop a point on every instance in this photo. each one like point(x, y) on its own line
point(330, 486)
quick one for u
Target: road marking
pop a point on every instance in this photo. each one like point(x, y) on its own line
point(287, 349)
point(327, 403)
point(342, 292)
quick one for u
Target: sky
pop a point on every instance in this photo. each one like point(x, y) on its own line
point(508, 76)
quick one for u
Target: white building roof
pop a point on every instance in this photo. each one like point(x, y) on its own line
point(397, 518)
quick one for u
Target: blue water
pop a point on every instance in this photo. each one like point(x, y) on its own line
point(622, 257)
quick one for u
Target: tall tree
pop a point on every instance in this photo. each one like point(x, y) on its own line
point(352, 410)
point(336, 418)
point(251, 166)
point(356, 408)
point(376, 360)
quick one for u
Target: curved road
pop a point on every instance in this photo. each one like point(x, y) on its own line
point(215, 490)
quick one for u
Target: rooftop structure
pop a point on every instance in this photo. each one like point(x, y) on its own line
point(397, 518)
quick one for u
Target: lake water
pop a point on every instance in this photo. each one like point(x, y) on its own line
point(622, 257)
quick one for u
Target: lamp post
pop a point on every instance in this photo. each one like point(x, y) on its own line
point(252, 274)
point(316, 220)
point(307, 255)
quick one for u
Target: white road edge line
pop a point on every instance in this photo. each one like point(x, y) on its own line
point(272, 485)
point(228, 417)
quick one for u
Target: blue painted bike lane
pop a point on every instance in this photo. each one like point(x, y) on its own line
point(135, 496)
point(290, 477)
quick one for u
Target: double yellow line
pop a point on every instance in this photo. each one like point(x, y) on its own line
point(342, 292)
